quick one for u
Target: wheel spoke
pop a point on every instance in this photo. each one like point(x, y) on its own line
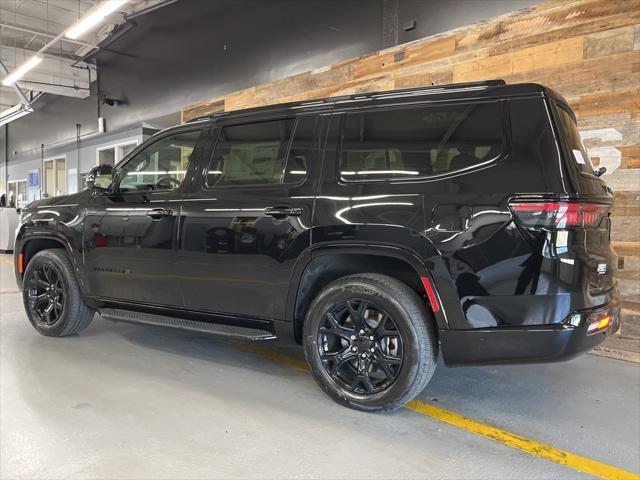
point(37, 297)
point(47, 272)
point(39, 281)
point(362, 378)
point(336, 329)
point(40, 302)
point(385, 365)
point(47, 313)
point(382, 331)
point(379, 354)
point(338, 358)
point(357, 314)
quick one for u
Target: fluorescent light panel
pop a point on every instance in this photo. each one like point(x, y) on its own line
point(19, 72)
point(93, 18)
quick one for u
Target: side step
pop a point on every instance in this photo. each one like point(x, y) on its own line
point(244, 333)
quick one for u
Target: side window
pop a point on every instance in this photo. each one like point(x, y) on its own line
point(418, 142)
point(251, 154)
point(161, 166)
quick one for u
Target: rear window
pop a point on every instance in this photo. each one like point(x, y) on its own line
point(572, 137)
point(419, 142)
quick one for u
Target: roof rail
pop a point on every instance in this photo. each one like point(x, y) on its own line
point(390, 93)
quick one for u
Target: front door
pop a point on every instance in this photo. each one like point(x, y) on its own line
point(131, 232)
point(250, 219)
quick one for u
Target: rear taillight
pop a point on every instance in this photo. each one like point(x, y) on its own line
point(559, 215)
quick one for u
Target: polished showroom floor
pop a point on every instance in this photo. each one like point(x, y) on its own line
point(124, 401)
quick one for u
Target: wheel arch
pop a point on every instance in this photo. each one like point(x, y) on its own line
point(30, 243)
point(320, 266)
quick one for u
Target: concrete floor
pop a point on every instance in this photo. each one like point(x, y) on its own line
point(123, 401)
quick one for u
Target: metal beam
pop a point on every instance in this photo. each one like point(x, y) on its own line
point(20, 54)
point(16, 88)
point(55, 75)
point(40, 33)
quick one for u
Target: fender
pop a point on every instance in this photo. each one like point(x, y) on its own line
point(405, 255)
point(36, 226)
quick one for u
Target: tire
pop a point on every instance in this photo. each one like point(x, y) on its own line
point(408, 335)
point(67, 312)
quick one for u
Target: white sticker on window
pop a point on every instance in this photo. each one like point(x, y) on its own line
point(577, 154)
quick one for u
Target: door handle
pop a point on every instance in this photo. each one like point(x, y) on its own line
point(283, 212)
point(157, 213)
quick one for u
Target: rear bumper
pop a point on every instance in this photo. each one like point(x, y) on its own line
point(534, 344)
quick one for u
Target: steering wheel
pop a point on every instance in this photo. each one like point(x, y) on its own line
point(168, 183)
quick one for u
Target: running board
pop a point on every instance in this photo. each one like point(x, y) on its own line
point(244, 333)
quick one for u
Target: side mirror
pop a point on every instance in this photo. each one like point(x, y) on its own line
point(601, 171)
point(99, 177)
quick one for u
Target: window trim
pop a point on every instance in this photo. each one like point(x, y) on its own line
point(505, 123)
point(281, 183)
point(151, 141)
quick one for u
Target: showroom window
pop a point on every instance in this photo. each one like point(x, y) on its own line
point(255, 154)
point(17, 193)
point(113, 154)
point(160, 166)
point(418, 142)
point(55, 177)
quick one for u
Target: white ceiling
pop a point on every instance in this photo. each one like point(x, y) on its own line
point(27, 25)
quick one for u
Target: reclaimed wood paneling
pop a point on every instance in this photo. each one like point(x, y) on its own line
point(587, 50)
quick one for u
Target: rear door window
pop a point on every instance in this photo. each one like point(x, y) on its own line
point(420, 142)
point(250, 154)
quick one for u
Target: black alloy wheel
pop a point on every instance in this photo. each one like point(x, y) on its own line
point(52, 296)
point(370, 341)
point(360, 346)
point(46, 293)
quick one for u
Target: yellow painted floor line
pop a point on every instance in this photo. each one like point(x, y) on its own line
point(532, 447)
point(6, 261)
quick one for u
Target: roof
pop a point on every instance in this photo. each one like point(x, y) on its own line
point(490, 88)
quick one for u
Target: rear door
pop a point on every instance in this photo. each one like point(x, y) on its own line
point(600, 259)
point(249, 219)
point(130, 234)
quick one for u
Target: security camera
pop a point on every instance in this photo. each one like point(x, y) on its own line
point(112, 101)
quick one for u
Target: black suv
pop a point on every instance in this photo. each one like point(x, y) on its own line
point(374, 229)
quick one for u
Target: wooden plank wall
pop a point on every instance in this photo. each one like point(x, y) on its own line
point(588, 50)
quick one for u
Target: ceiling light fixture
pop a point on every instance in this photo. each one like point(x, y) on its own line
point(93, 18)
point(21, 70)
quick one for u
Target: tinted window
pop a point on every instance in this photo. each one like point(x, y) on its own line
point(423, 141)
point(252, 154)
point(572, 137)
point(160, 166)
